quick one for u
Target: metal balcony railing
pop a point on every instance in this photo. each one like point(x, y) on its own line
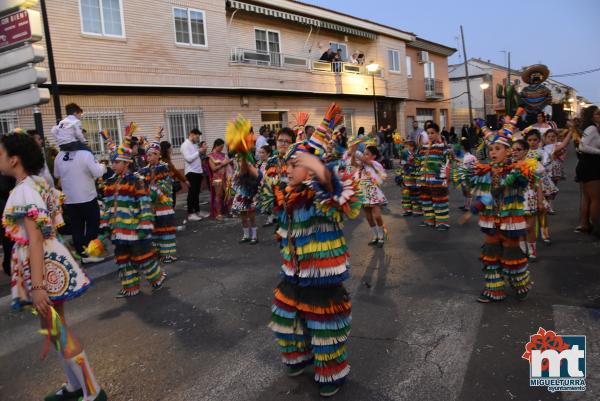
point(434, 88)
point(287, 61)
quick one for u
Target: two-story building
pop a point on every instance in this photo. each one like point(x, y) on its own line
point(485, 102)
point(181, 64)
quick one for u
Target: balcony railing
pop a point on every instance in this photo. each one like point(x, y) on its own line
point(287, 61)
point(434, 88)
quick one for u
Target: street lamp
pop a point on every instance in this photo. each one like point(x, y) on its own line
point(373, 68)
point(483, 87)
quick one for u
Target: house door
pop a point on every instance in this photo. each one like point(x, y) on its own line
point(273, 120)
point(386, 114)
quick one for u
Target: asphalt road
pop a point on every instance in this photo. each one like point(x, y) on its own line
point(418, 333)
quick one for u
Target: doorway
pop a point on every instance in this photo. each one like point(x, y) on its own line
point(273, 120)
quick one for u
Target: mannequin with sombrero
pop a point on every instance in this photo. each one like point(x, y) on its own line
point(535, 96)
point(498, 195)
point(127, 217)
point(311, 308)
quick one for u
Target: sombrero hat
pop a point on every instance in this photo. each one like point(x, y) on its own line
point(541, 68)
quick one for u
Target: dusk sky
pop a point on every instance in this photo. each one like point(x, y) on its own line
point(563, 35)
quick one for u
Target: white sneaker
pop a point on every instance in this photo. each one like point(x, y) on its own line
point(91, 259)
point(203, 215)
point(194, 217)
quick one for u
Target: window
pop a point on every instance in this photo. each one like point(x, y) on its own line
point(8, 122)
point(180, 123)
point(348, 123)
point(190, 26)
point(94, 123)
point(394, 60)
point(408, 67)
point(268, 42)
point(429, 70)
point(335, 46)
point(102, 17)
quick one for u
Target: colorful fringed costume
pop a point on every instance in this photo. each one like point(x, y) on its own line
point(434, 185)
point(160, 182)
point(127, 217)
point(498, 198)
point(275, 175)
point(64, 279)
point(311, 312)
point(410, 190)
point(245, 187)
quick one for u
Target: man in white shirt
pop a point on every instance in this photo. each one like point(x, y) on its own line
point(77, 172)
point(261, 140)
point(193, 173)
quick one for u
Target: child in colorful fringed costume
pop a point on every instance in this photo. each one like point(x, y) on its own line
point(434, 187)
point(44, 273)
point(128, 218)
point(498, 190)
point(240, 141)
point(264, 154)
point(371, 175)
point(160, 182)
point(311, 310)
point(275, 171)
point(410, 190)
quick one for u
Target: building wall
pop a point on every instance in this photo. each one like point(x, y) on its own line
point(149, 111)
point(416, 90)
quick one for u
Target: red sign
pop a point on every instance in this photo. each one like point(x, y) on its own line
point(15, 28)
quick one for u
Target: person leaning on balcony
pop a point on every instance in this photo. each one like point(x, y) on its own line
point(193, 172)
point(328, 55)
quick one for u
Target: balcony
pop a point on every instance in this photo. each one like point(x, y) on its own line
point(434, 88)
point(293, 62)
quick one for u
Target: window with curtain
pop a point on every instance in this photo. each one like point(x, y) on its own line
point(394, 60)
point(102, 17)
point(190, 26)
point(408, 67)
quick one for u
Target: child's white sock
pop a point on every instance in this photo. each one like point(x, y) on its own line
point(246, 232)
point(380, 232)
point(80, 367)
point(253, 231)
point(375, 232)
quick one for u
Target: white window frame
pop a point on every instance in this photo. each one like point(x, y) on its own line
point(99, 117)
point(11, 119)
point(103, 34)
point(189, 20)
point(432, 69)
point(338, 44)
point(391, 66)
point(408, 67)
point(258, 28)
point(200, 120)
point(349, 116)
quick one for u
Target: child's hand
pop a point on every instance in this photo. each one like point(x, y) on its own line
point(311, 163)
point(41, 302)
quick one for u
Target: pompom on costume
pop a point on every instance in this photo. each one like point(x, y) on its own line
point(160, 183)
point(311, 312)
point(33, 198)
point(498, 196)
point(127, 217)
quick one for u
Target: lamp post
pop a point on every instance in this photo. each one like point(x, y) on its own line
point(373, 68)
point(483, 87)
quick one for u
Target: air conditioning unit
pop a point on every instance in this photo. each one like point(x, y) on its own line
point(423, 57)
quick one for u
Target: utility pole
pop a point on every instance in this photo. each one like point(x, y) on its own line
point(51, 66)
point(508, 78)
point(462, 35)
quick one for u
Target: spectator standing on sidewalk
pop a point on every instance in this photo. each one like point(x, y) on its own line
point(193, 172)
point(77, 172)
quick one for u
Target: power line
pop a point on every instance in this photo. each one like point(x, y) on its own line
point(573, 74)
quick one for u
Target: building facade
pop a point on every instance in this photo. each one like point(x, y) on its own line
point(428, 84)
point(486, 104)
point(181, 64)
